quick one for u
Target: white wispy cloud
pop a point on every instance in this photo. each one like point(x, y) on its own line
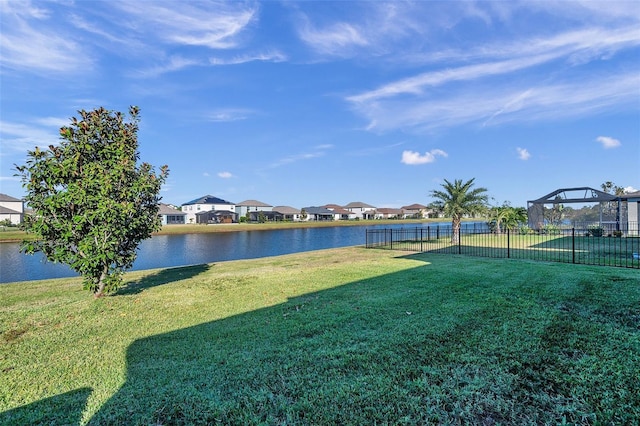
point(333, 39)
point(30, 40)
point(225, 175)
point(608, 142)
point(229, 114)
point(213, 25)
point(318, 151)
point(273, 56)
point(523, 154)
point(415, 158)
point(494, 104)
point(20, 137)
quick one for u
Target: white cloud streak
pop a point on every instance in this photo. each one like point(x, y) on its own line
point(19, 137)
point(30, 41)
point(608, 142)
point(216, 26)
point(225, 175)
point(414, 158)
point(523, 154)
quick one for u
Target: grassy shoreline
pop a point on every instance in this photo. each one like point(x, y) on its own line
point(346, 336)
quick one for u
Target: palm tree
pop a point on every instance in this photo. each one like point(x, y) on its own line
point(459, 199)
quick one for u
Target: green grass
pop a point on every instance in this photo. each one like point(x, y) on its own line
point(344, 336)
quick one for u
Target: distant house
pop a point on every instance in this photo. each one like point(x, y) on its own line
point(415, 211)
point(205, 204)
point(268, 216)
point(11, 208)
point(318, 214)
point(633, 212)
point(339, 213)
point(169, 215)
point(216, 216)
point(361, 210)
point(247, 206)
point(388, 213)
point(288, 213)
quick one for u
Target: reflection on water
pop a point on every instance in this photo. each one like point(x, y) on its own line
point(191, 249)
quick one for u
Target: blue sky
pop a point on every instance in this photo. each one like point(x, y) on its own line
point(311, 103)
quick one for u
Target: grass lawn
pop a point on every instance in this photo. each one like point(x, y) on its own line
point(342, 336)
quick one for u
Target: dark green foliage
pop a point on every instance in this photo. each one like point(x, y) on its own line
point(92, 202)
point(458, 199)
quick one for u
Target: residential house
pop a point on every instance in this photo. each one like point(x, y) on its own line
point(247, 206)
point(216, 216)
point(169, 215)
point(339, 212)
point(415, 211)
point(205, 204)
point(361, 210)
point(265, 215)
point(288, 213)
point(318, 214)
point(11, 208)
point(633, 212)
point(388, 213)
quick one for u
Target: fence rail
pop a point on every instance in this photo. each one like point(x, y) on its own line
point(588, 246)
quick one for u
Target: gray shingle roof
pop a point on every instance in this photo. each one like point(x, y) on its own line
point(285, 210)
point(165, 209)
point(208, 199)
point(358, 204)
point(253, 203)
point(5, 197)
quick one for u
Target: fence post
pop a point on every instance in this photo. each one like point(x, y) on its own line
point(391, 238)
point(508, 244)
point(573, 245)
point(421, 239)
point(459, 238)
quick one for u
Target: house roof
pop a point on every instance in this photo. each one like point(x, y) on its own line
point(386, 210)
point(337, 209)
point(5, 197)
point(208, 199)
point(4, 210)
point(167, 209)
point(630, 195)
point(285, 210)
point(414, 207)
point(253, 203)
point(358, 204)
point(318, 210)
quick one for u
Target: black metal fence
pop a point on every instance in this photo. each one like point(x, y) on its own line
point(592, 245)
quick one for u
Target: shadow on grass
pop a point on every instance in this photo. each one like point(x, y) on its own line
point(164, 276)
point(415, 347)
point(63, 409)
point(441, 343)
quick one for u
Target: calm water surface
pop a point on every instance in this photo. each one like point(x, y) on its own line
point(163, 251)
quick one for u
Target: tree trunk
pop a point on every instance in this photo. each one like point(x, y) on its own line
point(101, 283)
point(455, 230)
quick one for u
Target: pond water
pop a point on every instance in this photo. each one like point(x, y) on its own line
point(163, 251)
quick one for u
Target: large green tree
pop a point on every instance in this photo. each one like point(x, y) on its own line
point(92, 201)
point(458, 199)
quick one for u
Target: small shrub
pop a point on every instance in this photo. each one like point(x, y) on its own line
point(595, 230)
point(524, 230)
point(550, 229)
